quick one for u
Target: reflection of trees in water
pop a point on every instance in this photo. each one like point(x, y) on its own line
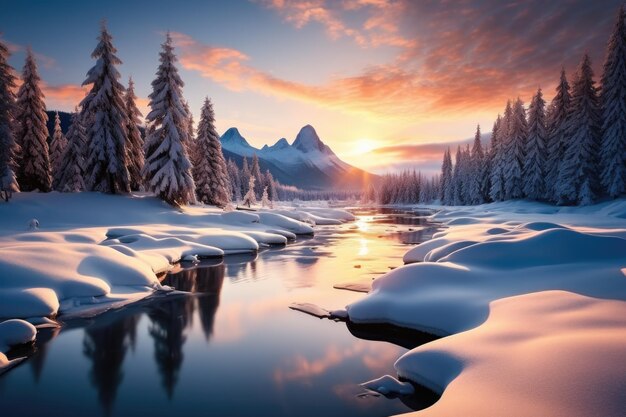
point(106, 345)
point(172, 316)
point(41, 350)
point(241, 267)
point(169, 320)
point(209, 282)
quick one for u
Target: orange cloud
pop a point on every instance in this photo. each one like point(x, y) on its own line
point(63, 96)
point(388, 90)
point(379, 28)
point(463, 62)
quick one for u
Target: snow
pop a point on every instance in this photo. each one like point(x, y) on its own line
point(388, 385)
point(532, 301)
point(307, 148)
point(93, 251)
point(14, 332)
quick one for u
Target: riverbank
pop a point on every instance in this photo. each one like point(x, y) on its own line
point(84, 253)
point(530, 301)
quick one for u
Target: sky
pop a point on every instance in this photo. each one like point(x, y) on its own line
point(387, 84)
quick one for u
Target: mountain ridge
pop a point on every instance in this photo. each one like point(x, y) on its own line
point(307, 162)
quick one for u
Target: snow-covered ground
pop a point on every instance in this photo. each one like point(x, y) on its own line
point(531, 301)
point(80, 254)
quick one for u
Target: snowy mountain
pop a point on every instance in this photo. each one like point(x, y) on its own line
point(306, 163)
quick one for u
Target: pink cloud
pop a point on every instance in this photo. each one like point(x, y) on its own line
point(63, 96)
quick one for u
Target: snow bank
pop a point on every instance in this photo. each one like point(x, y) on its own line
point(532, 300)
point(388, 385)
point(14, 332)
point(93, 251)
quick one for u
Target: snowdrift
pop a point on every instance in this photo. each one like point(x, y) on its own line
point(531, 303)
point(92, 251)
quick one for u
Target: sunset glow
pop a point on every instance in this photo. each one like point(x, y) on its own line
point(384, 83)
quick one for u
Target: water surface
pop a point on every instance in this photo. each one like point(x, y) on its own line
point(233, 347)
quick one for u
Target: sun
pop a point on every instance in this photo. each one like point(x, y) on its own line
point(363, 146)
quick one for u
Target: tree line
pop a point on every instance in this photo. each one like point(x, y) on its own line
point(571, 152)
point(104, 149)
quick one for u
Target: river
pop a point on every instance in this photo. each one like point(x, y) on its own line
point(233, 347)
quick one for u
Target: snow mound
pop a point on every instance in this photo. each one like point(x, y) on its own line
point(548, 247)
point(15, 332)
point(570, 365)
point(94, 251)
point(533, 306)
point(388, 385)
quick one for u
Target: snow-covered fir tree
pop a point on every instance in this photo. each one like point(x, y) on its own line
point(514, 152)
point(167, 170)
point(458, 178)
point(8, 147)
point(245, 173)
point(255, 170)
point(270, 184)
point(31, 133)
point(535, 155)
point(234, 180)
point(556, 139)
point(478, 173)
point(447, 191)
point(265, 200)
point(613, 99)
point(210, 172)
point(250, 198)
point(134, 145)
point(578, 173)
point(69, 176)
point(58, 143)
point(104, 118)
point(189, 140)
point(496, 162)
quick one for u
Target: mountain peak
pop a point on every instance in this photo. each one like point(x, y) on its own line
point(232, 137)
point(280, 144)
point(308, 141)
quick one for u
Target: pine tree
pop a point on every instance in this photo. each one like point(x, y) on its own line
point(578, 181)
point(496, 169)
point(31, 133)
point(535, 161)
point(477, 176)
point(167, 170)
point(245, 173)
point(57, 147)
point(447, 192)
point(210, 173)
point(8, 147)
point(71, 170)
point(613, 144)
point(256, 171)
point(271, 187)
point(457, 178)
point(265, 200)
point(557, 118)
point(104, 116)
point(234, 180)
point(514, 152)
point(250, 198)
point(189, 141)
point(134, 148)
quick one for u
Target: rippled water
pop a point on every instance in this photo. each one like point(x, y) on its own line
point(233, 347)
